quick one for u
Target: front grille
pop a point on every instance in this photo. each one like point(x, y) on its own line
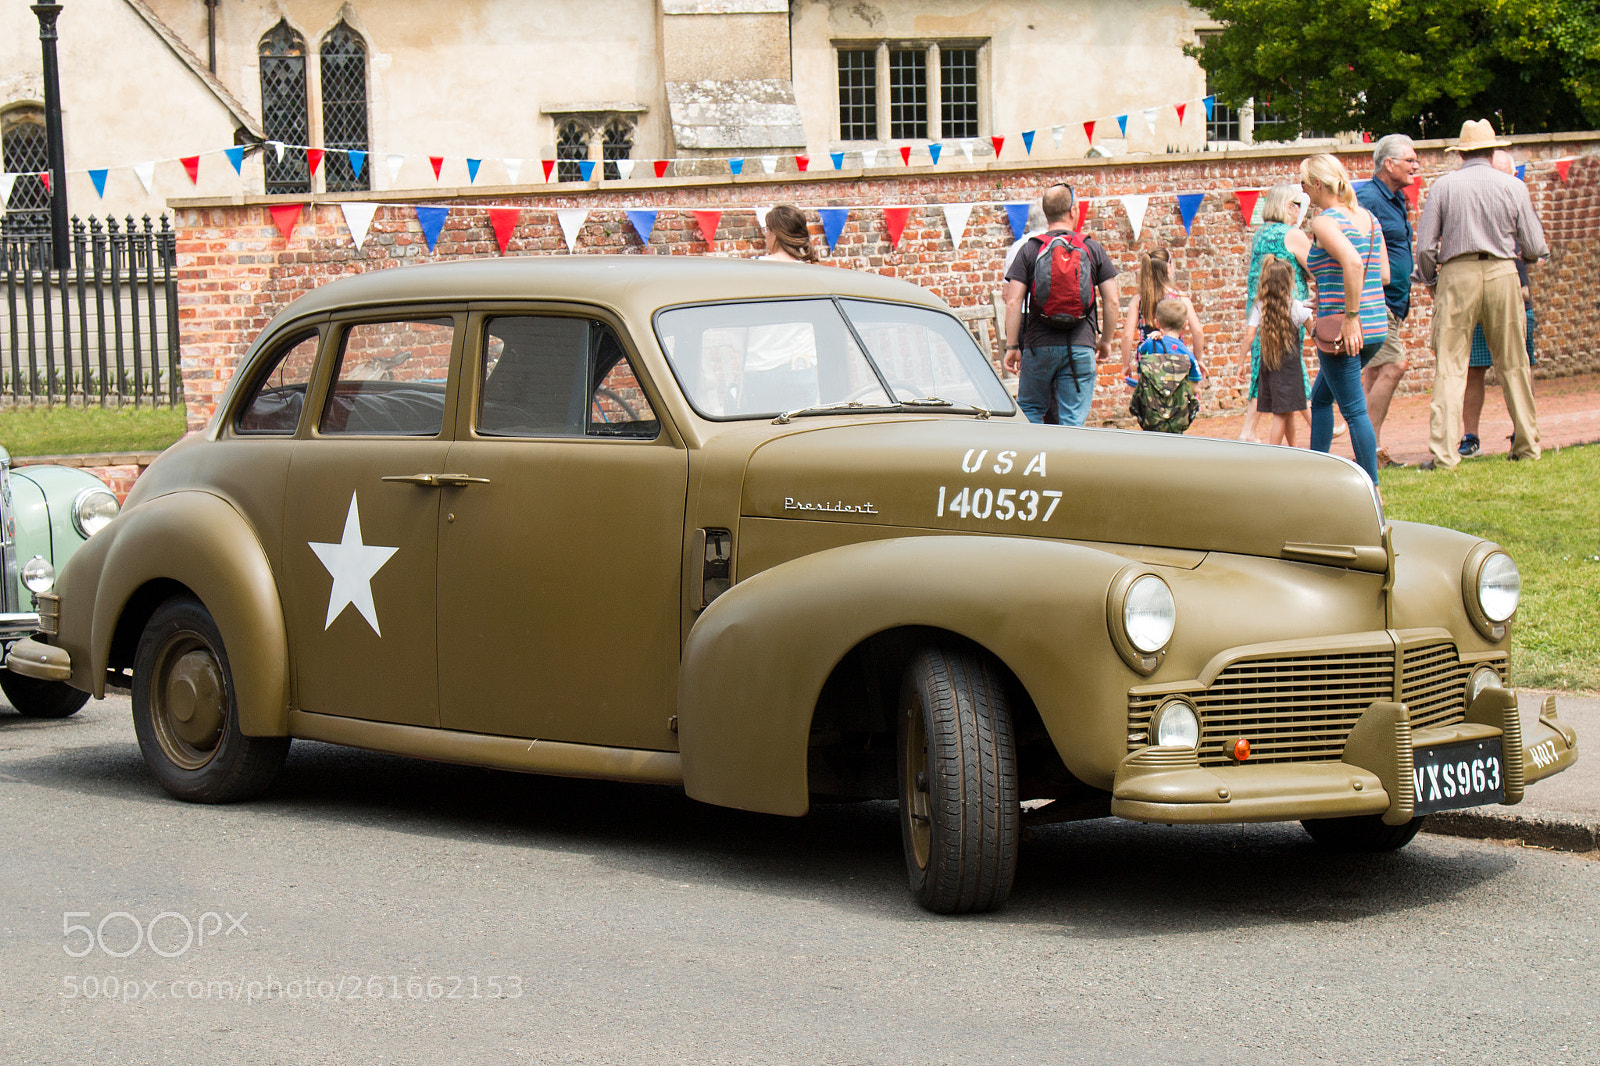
point(1301, 708)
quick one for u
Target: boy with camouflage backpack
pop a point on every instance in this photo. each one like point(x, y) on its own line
point(1166, 374)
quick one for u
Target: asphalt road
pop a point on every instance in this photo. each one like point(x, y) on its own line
point(623, 924)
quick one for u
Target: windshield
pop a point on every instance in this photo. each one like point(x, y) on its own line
point(759, 359)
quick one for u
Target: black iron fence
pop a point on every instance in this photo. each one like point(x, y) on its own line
point(104, 331)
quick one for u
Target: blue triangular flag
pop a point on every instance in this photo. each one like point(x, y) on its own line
point(431, 219)
point(1188, 205)
point(1027, 140)
point(934, 150)
point(472, 170)
point(644, 222)
point(358, 160)
point(838, 160)
point(833, 220)
point(1522, 172)
point(1122, 124)
point(1018, 216)
point(1211, 104)
point(99, 177)
point(586, 168)
point(736, 166)
point(236, 157)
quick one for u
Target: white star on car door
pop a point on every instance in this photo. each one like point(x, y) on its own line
point(352, 565)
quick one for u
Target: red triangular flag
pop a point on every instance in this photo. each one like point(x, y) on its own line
point(1083, 215)
point(45, 177)
point(894, 220)
point(314, 159)
point(1181, 109)
point(905, 154)
point(661, 167)
point(1088, 130)
point(191, 166)
point(549, 165)
point(708, 224)
point(1413, 192)
point(504, 221)
point(1247, 203)
point(437, 161)
point(802, 162)
point(1562, 166)
point(997, 142)
point(286, 215)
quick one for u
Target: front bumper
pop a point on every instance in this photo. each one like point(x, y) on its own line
point(1374, 775)
point(15, 625)
point(42, 662)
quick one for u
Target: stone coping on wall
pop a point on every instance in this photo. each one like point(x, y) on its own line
point(1023, 166)
point(90, 461)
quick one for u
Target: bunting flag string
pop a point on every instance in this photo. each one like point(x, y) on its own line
point(314, 158)
point(1181, 108)
point(146, 173)
point(395, 163)
point(236, 157)
point(802, 163)
point(905, 154)
point(736, 167)
point(358, 161)
point(96, 176)
point(285, 216)
point(6, 183)
point(514, 168)
point(1059, 133)
point(472, 170)
point(1135, 205)
point(956, 217)
point(358, 218)
point(1017, 215)
point(1088, 131)
point(661, 166)
point(431, 219)
point(1188, 206)
point(1562, 166)
point(769, 163)
point(934, 151)
point(833, 220)
point(894, 221)
point(708, 221)
point(571, 220)
point(1027, 140)
point(548, 165)
point(436, 162)
point(838, 160)
point(1247, 203)
point(998, 141)
point(1122, 124)
point(644, 222)
point(624, 168)
point(504, 222)
point(586, 169)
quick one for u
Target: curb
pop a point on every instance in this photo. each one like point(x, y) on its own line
point(1552, 831)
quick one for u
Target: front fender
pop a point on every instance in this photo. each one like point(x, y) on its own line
point(756, 660)
point(200, 542)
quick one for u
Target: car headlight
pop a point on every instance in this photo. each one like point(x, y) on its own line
point(1483, 677)
point(38, 575)
point(1149, 614)
point(93, 510)
point(1175, 726)
point(1499, 587)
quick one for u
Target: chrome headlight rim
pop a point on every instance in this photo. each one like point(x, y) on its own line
point(38, 575)
point(93, 509)
point(1180, 720)
point(1483, 676)
point(1485, 561)
point(1120, 596)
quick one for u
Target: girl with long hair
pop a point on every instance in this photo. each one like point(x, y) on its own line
point(1275, 321)
point(1155, 285)
point(787, 235)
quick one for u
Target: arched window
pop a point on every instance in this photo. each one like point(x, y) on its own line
point(618, 144)
point(283, 108)
point(26, 152)
point(572, 145)
point(344, 108)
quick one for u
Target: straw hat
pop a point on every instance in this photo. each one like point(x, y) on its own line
point(1477, 134)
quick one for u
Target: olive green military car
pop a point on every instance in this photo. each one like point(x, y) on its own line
point(773, 533)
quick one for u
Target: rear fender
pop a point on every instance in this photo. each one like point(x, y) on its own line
point(756, 660)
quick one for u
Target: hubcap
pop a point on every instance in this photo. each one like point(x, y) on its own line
point(189, 702)
point(914, 788)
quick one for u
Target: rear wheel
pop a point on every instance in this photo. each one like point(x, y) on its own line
point(185, 714)
point(41, 699)
point(959, 816)
point(1362, 832)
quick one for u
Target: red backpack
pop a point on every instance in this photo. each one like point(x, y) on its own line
point(1062, 293)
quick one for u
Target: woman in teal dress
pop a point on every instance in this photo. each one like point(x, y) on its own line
point(1278, 236)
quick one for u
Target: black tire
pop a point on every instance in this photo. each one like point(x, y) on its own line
point(41, 699)
point(959, 815)
point(1362, 832)
point(186, 716)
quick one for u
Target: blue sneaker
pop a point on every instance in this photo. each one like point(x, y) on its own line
point(1469, 446)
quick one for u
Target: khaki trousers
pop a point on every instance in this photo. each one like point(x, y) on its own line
point(1469, 291)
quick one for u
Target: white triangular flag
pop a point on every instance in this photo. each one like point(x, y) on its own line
point(571, 220)
point(277, 146)
point(761, 215)
point(1150, 114)
point(513, 168)
point(955, 216)
point(869, 158)
point(1057, 133)
point(146, 173)
point(6, 182)
point(769, 163)
point(395, 163)
point(966, 148)
point(1135, 206)
point(358, 216)
point(625, 168)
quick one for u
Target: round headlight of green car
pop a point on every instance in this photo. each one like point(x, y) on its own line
point(93, 510)
point(1499, 587)
point(1149, 614)
point(38, 575)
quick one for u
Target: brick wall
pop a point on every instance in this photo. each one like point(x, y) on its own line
point(236, 271)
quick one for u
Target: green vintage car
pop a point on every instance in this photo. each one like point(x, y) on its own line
point(775, 533)
point(46, 513)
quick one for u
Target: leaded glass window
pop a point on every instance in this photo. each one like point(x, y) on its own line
point(283, 108)
point(617, 144)
point(908, 94)
point(958, 92)
point(572, 145)
point(27, 153)
point(344, 108)
point(858, 94)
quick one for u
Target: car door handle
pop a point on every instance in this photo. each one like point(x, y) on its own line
point(436, 480)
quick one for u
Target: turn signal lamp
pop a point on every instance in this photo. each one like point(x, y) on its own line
point(1241, 749)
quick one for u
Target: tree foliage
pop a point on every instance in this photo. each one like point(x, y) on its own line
point(1412, 66)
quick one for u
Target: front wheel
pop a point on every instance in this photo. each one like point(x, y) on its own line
point(41, 699)
point(959, 814)
point(186, 716)
point(1362, 832)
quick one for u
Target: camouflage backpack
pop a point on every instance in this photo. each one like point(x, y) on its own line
point(1164, 399)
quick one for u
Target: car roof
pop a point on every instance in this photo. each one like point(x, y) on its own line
point(636, 285)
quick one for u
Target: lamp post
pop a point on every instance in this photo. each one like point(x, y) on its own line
point(47, 13)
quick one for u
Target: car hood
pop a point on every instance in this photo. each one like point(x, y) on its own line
point(1096, 485)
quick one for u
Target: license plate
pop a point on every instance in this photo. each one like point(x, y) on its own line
point(1448, 776)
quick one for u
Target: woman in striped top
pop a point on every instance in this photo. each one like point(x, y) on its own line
point(1351, 266)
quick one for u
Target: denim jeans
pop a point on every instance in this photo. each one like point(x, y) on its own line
point(1067, 371)
point(1339, 380)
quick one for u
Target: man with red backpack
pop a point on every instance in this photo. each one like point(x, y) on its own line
point(1066, 280)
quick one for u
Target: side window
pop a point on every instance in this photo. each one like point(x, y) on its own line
point(390, 381)
point(276, 401)
point(551, 376)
